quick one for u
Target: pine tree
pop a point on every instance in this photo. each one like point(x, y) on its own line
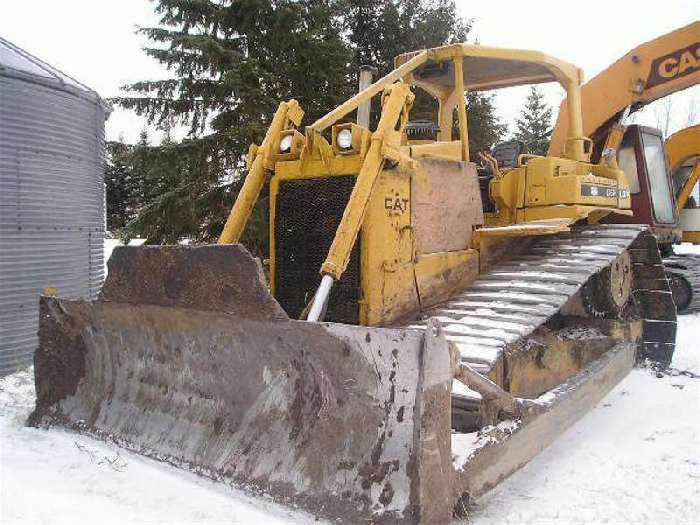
point(379, 30)
point(485, 128)
point(123, 189)
point(232, 65)
point(534, 126)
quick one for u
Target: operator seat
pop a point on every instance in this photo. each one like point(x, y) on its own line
point(506, 153)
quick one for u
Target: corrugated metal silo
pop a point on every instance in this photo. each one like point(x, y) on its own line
point(51, 195)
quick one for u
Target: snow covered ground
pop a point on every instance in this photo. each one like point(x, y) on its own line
point(634, 459)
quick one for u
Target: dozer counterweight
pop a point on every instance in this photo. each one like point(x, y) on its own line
point(463, 333)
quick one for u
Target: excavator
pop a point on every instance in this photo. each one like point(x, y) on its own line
point(427, 328)
point(661, 177)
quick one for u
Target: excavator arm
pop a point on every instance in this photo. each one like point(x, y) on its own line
point(650, 71)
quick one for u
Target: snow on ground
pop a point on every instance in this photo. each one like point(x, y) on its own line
point(633, 459)
point(686, 247)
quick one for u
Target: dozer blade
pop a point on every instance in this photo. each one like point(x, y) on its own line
point(185, 357)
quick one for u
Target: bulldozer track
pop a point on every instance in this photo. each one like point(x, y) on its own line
point(687, 268)
point(516, 296)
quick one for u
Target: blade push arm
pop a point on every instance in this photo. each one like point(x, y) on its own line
point(397, 98)
point(255, 180)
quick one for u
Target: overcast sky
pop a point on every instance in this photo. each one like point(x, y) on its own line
point(94, 41)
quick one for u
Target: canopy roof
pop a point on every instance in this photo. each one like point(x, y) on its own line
point(488, 68)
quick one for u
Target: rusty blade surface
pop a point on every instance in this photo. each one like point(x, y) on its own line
point(329, 416)
point(224, 278)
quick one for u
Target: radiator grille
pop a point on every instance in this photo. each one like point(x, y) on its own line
point(306, 217)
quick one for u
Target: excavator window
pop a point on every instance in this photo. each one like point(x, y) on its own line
point(660, 189)
point(627, 160)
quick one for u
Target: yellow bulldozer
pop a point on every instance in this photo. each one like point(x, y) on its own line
point(428, 325)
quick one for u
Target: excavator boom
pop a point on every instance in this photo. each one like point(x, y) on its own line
point(651, 71)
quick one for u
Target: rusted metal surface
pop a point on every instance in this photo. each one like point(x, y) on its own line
point(321, 415)
point(223, 278)
point(442, 217)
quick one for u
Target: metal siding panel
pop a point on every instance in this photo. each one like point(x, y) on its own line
point(51, 206)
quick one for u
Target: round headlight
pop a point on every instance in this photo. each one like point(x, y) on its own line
point(286, 143)
point(344, 139)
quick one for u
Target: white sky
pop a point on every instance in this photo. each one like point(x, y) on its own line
point(94, 41)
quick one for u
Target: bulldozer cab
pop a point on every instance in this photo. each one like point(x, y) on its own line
point(511, 192)
point(451, 70)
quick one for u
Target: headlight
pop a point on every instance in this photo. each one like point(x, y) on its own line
point(286, 143)
point(344, 139)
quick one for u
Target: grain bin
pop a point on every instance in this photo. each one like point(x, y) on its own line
point(52, 217)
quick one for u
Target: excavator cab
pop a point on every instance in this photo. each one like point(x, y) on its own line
point(642, 156)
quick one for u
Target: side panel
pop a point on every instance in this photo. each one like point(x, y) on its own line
point(388, 283)
point(440, 275)
point(445, 205)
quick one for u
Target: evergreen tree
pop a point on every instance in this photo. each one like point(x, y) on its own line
point(534, 126)
point(485, 128)
point(232, 65)
point(379, 30)
point(123, 191)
